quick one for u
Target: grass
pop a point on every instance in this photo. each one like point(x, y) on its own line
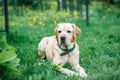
point(99, 43)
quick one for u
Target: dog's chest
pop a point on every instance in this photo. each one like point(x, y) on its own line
point(66, 58)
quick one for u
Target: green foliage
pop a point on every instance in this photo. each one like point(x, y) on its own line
point(111, 2)
point(8, 61)
point(3, 43)
point(39, 4)
point(117, 2)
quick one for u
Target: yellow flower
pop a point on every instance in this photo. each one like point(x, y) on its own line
point(40, 22)
point(13, 23)
point(55, 22)
point(34, 19)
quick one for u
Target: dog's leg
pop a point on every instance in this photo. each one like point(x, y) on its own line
point(42, 55)
point(41, 48)
point(78, 68)
point(74, 62)
point(41, 52)
point(67, 72)
point(60, 63)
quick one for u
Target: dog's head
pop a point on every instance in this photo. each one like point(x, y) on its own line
point(66, 33)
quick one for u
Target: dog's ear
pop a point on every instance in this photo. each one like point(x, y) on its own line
point(55, 30)
point(77, 31)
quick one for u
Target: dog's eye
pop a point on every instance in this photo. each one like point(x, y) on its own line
point(59, 31)
point(68, 31)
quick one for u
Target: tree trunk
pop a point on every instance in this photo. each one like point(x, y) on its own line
point(79, 7)
point(71, 6)
point(41, 5)
point(64, 5)
point(58, 3)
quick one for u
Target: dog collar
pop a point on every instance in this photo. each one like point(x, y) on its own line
point(66, 51)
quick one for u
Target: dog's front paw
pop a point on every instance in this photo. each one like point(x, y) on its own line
point(82, 73)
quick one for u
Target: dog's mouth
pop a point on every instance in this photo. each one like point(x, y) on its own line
point(62, 40)
point(63, 43)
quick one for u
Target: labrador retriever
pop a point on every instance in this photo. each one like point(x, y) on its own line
point(62, 48)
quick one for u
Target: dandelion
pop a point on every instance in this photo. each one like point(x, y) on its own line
point(13, 23)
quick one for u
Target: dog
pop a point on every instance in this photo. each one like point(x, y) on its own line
point(62, 48)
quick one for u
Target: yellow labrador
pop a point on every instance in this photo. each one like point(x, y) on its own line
point(62, 48)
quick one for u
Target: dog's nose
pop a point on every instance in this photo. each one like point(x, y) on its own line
point(62, 38)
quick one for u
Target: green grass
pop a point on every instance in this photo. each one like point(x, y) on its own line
point(99, 43)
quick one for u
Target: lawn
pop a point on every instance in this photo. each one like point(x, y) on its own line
point(99, 43)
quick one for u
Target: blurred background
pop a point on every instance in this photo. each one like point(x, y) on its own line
point(27, 21)
point(34, 10)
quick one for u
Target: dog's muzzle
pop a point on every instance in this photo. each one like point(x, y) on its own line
point(62, 39)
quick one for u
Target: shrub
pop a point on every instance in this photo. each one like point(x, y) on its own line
point(8, 61)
